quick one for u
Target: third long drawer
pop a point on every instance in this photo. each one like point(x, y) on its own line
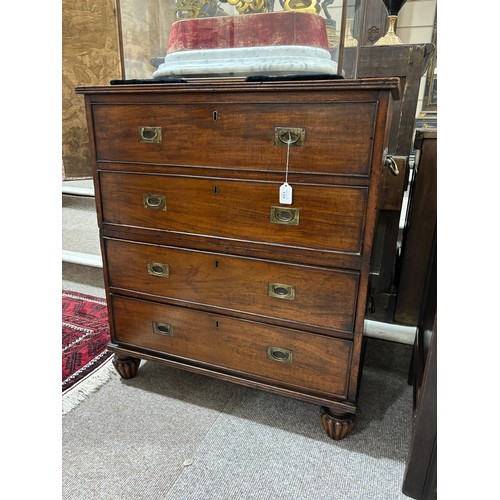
point(305, 296)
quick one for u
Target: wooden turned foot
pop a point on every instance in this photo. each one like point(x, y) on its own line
point(126, 366)
point(336, 425)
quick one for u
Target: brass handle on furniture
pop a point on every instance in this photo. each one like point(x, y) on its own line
point(391, 164)
point(281, 291)
point(279, 354)
point(150, 134)
point(163, 329)
point(282, 215)
point(295, 136)
point(157, 269)
point(154, 201)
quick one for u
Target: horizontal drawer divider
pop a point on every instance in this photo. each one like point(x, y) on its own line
point(288, 248)
point(304, 176)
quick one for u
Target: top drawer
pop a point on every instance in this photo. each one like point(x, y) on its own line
point(337, 136)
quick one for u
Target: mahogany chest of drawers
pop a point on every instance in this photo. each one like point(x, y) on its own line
point(205, 269)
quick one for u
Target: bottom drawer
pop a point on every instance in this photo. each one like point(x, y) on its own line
point(284, 356)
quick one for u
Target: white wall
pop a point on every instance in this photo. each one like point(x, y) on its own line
point(416, 21)
point(415, 25)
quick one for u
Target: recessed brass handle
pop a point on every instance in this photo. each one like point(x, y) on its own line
point(282, 215)
point(154, 201)
point(295, 136)
point(157, 269)
point(163, 329)
point(279, 354)
point(280, 291)
point(150, 134)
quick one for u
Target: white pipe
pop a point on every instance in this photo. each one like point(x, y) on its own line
point(390, 331)
point(78, 191)
point(86, 259)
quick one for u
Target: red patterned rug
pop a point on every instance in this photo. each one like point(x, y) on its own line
point(85, 357)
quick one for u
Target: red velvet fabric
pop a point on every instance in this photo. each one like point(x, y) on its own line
point(253, 30)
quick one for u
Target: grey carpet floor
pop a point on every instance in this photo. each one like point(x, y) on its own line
point(83, 279)
point(79, 221)
point(169, 434)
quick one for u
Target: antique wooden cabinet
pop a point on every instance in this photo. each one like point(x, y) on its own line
point(205, 268)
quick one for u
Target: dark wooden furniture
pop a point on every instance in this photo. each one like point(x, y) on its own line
point(373, 24)
point(420, 479)
point(205, 269)
point(417, 299)
point(408, 62)
point(419, 230)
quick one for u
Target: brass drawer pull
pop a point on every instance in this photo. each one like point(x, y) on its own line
point(154, 201)
point(150, 134)
point(163, 329)
point(282, 215)
point(293, 135)
point(392, 165)
point(157, 269)
point(279, 354)
point(281, 291)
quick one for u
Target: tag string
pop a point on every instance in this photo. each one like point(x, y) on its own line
point(288, 156)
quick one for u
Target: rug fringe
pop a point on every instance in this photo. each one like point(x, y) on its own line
point(78, 393)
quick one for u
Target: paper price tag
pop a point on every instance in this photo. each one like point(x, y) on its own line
point(286, 194)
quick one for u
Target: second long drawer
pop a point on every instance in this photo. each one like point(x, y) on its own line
point(322, 217)
point(306, 295)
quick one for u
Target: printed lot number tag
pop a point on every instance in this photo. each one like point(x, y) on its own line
point(286, 194)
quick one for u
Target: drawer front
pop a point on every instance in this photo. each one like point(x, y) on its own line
point(285, 356)
point(329, 218)
point(310, 296)
point(338, 136)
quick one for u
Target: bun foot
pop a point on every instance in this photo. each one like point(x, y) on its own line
point(336, 425)
point(126, 366)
